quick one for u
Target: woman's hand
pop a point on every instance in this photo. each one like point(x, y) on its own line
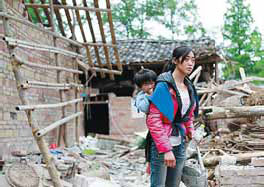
point(169, 159)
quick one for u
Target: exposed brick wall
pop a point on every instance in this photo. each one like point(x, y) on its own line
point(14, 128)
point(121, 120)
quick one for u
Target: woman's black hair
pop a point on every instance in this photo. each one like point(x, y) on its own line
point(144, 76)
point(177, 53)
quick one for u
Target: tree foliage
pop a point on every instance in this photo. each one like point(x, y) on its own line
point(178, 16)
point(242, 43)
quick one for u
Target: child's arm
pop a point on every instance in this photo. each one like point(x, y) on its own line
point(142, 102)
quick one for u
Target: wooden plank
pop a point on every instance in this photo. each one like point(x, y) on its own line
point(67, 7)
point(25, 22)
point(59, 20)
point(101, 28)
point(36, 12)
point(68, 16)
point(110, 20)
point(46, 12)
point(79, 21)
point(98, 59)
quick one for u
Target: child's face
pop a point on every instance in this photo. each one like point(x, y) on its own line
point(148, 87)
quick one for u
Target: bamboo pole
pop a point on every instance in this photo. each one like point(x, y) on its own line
point(62, 130)
point(99, 44)
point(110, 20)
point(101, 28)
point(79, 21)
point(19, 79)
point(54, 125)
point(56, 105)
point(54, 84)
point(76, 108)
point(44, 66)
point(25, 22)
point(26, 86)
point(28, 5)
point(59, 20)
point(98, 59)
point(68, 16)
point(30, 45)
point(36, 13)
point(87, 67)
point(46, 12)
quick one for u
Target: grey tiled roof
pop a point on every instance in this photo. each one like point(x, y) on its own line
point(147, 51)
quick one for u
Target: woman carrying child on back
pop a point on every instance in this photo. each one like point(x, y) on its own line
point(170, 119)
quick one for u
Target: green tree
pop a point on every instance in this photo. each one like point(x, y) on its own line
point(242, 43)
point(181, 18)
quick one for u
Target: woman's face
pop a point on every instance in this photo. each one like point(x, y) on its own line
point(187, 65)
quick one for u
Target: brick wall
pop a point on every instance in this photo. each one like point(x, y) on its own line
point(14, 129)
point(121, 117)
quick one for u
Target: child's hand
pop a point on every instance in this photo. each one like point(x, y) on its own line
point(148, 168)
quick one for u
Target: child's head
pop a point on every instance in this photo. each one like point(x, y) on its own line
point(145, 80)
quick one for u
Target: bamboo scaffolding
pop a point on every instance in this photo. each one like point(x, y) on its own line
point(26, 86)
point(76, 108)
point(62, 130)
point(44, 66)
point(46, 12)
point(25, 22)
point(98, 59)
point(109, 15)
point(36, 13)
point(43, 106)
point(99, 44)
point(79, 21)
point(59, 20)
point(101, 28)
point(87, 67)
point(54, 84)
point(40, 47)
point(68, 16)
point(28, 5)
point(54, 125)
point(19, 79)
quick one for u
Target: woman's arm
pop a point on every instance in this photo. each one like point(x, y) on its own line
point(157, 130)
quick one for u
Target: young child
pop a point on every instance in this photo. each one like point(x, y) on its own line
point(145, 80)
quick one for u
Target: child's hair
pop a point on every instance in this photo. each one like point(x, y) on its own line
point(144, 76)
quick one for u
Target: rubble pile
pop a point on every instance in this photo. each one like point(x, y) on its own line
point(233, 112)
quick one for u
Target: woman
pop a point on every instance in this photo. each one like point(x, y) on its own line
point(170, 119)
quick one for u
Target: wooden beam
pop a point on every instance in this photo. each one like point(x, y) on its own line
point(68, 16)
point(28, 5)
point(36, 13)
point(101, 28)
point(110, 21)
point(99, 44)
point(88, 68)
point(25, 22)
point(79, 21)
point(47, 14)
point(98, 59)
